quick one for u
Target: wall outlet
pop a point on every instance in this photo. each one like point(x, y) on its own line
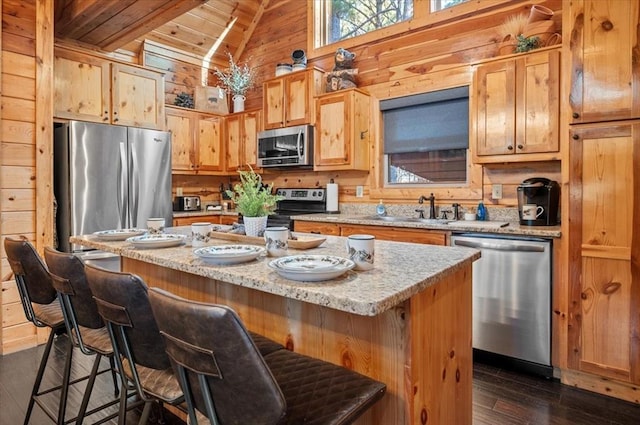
point(496, 191)
point(178, 191)
point(359, 191)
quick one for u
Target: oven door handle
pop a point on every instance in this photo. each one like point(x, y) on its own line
point(299, 144)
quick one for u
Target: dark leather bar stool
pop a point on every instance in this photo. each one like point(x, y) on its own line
point(225, 378)
point(84, 325)
point(138, 346)
point(41, 307)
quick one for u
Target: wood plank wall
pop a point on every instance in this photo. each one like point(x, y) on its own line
point(18, 166)
point(410, 63)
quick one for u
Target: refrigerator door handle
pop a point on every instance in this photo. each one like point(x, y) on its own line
point(122, 185)
point(134, 178)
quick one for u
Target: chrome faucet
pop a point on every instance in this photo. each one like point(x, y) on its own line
point(432, 206)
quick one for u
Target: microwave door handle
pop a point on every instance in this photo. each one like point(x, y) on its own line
point(299, 144)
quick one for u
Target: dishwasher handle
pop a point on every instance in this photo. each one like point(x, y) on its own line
point(500, 247)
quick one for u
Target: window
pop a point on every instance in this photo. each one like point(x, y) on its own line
point(344, 19)
point(426, 138)
point(444, 4)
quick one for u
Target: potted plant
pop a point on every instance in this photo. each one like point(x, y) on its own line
point(253, 200)
point(236, 80)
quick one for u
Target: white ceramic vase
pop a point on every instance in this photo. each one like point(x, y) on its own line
point(238, 102)
point(254, 226)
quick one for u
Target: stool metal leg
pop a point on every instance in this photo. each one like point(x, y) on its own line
point(64, 391)
point(88, 389)
point(36, 384)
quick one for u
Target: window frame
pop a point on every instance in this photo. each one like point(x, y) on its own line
point(422, 17)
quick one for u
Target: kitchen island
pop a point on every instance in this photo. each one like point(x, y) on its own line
point(406, 323)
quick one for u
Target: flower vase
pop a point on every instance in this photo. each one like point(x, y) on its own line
point(254, 226)
point(238, 102)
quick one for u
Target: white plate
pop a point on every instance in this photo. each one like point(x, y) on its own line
point(163, 240)
point(118, 234)
point(311, 268)
point(228, 254)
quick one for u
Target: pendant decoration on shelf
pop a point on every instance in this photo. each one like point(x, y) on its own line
point(522, 33)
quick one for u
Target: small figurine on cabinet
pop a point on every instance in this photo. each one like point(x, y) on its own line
point(343, 74)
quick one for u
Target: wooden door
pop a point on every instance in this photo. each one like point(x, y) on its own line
point(398, 234)
point(210, 147)
point(317, 227)
point(538, 102)
point(81, 87)
point(605, 70)
point(496, 96)
point(137, 97)
point(234, 141)
point(604, 250)
point(298, 98)
point(273, 103)
point(333, 144)
point(181, 126)
point(251, 126)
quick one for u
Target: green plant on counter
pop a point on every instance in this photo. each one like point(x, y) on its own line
point(524, 44)
point(251, 197)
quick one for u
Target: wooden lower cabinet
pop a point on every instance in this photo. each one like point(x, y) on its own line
point(213, 219)
point(398, 234)
point(604, 252)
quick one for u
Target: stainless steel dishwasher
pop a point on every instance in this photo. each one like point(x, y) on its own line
point(511, 300)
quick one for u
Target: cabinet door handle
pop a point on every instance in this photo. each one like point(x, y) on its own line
point(510, 147)
point(575, 137)
point(520, 147)
point(575, 115)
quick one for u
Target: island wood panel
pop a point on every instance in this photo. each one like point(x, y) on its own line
point(317, 227)
point(420, 349)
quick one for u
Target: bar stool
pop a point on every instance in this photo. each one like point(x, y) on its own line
point(85, 327)
point(41, 307)
point(225, 378)
point(139, 349)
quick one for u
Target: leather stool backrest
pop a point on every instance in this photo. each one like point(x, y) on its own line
point(72, 281)
point(123, 302)
point(28, 267)
point(212, 350)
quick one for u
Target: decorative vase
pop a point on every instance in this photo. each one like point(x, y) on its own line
point(238, 102)
point(254, 226)
point(539, 13)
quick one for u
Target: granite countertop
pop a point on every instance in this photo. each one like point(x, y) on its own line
point(512, 228)
point(400, 271)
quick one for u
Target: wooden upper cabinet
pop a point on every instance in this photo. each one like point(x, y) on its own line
point(242, 140)
point(81, 87)
point(88, 88)
point(342, 131)
point(180, 124)
point(210, 143)
point(517, 108)
point(604, 271)
point(137, 97)
point(605, 68)
point(196, 141)
point(288, 99)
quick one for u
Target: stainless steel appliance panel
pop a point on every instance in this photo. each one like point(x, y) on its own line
point(150, 176)
point(286, 147)
point(511, 296)
point(109, 177)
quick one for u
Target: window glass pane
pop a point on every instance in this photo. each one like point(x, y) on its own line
point(349, 18)
point(443, 4)
point(436, 167)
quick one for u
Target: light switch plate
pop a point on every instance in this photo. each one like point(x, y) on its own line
point(496, 191)
point(359, 191)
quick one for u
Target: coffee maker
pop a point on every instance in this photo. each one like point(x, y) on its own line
point(538, 199)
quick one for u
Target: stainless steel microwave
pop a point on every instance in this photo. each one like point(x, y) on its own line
point(286, 147)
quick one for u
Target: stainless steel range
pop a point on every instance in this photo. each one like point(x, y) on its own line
point(297, 202)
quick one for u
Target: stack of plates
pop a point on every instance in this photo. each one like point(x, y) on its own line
point(228, 254)
point(118, 234)
point(311, 268)
point(162, 240)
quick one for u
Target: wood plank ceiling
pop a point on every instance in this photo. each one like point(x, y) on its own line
point(189, 26)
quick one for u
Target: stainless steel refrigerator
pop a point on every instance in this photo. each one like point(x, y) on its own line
point(109, 177)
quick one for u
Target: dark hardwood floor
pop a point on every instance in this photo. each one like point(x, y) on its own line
point(500, 397)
